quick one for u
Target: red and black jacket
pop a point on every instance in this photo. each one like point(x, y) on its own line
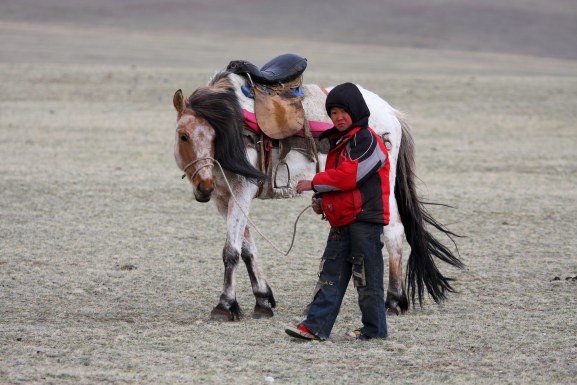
point(355, 182)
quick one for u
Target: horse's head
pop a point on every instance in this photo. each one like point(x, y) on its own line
point(194, 148)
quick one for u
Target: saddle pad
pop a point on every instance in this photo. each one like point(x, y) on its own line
point(314, 109)
point(279, 115)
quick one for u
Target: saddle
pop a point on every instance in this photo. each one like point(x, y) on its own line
point(282, 69)
point(278, 116)
point(275, 88)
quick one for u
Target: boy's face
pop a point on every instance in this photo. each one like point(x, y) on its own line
point(341, 118)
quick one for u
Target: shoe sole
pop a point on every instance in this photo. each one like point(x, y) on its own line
point(296, 333)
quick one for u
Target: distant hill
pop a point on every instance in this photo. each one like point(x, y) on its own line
point(546, 28)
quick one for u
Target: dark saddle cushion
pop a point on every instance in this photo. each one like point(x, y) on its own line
point(282, 69)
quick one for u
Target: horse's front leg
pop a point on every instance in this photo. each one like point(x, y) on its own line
point(228, 308)
point(394, 233)
point(264, 297)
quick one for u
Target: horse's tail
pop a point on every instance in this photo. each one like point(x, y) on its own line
point(422, 271)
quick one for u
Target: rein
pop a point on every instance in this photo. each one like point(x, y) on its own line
point(211, 163)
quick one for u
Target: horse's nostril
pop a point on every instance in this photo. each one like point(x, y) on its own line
point(204, 189)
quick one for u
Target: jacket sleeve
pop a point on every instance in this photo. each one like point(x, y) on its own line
point(365, 158)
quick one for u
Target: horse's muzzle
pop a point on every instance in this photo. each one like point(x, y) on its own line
point(202, 193)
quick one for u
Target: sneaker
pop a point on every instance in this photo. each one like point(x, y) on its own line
point(356, 335)
point(300, 331)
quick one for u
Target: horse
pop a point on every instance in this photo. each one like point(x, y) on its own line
point(210, 130)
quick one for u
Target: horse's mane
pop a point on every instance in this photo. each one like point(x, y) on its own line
point(218, 104)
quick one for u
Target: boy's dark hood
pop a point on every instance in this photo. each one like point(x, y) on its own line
point(349, 97)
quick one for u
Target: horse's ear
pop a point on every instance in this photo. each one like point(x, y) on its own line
point(178, 101)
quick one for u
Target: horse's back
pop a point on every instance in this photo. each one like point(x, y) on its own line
point(383, 117)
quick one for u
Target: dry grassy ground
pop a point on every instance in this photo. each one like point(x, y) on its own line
point(109, 269)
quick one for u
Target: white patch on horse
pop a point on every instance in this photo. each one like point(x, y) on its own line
point(314, 103)
point(245, 102)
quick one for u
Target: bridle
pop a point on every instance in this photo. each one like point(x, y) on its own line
point(209, 163)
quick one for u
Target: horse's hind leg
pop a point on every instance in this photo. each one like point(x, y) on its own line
point(264, 298)
point(396, 301)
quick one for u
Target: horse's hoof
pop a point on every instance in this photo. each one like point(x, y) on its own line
point(396, 304)
point(220, 314)
point(393, 307)
point(262, 312)
point(396, 310)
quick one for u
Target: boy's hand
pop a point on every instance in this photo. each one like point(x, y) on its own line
point(304, 185)
point(317, 205)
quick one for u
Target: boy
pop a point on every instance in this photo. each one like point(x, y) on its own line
point(354, 196)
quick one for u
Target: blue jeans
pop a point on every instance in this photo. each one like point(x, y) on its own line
point(352, 250)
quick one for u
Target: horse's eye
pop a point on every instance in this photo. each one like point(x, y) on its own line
point(183, 137)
